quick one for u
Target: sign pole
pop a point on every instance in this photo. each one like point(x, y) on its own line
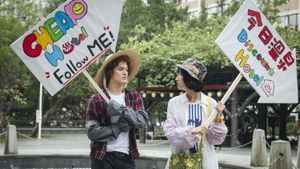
point(95, 85)
point(224, 99)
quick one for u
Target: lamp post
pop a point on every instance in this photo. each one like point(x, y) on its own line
point(40, 112)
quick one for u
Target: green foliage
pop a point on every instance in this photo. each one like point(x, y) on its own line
point(203, 13)
point(176, 44)
point(221, 4)
point(291, 129)
point(154, 18)
point(52, 5)
point(132, 14)
point(292, 37)
point(269, 8)
point(15, 19)
point(233, 7)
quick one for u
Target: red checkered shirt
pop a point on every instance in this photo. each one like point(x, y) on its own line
point(97, 111)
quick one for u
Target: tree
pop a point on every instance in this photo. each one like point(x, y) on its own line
point(292, 37)
point(132, 14)
point(52, 5)
point(270, 8)
point(15, 19)
point(176, 44)
point(233, 7)
point(153, 17)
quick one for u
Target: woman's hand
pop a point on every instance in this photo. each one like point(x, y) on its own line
point(220, 108)
point(199, 130)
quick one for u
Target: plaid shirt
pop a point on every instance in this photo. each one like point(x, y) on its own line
point(97, 111)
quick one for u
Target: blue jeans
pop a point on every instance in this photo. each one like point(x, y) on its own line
point(113, 160)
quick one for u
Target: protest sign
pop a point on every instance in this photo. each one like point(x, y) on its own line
point(261, 55)
point(68, 40)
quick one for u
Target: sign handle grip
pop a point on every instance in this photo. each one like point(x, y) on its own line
point(95, 85)
point(224, 99)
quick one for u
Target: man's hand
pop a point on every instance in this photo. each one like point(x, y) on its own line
point(114, 108)
point(130, 116)
point(123, 124)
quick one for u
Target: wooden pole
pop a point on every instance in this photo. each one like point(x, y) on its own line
point(95, 85)
point(224, 99)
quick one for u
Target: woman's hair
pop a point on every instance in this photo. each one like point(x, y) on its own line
point(111, 66)
point(191, 82)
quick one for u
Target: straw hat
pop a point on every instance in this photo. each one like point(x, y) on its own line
point(134, 60)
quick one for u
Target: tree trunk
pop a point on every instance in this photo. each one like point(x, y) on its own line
point(262, 116)
point(234, 119)
point(282, 122)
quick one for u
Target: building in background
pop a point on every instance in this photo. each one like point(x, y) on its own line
point(289, 12)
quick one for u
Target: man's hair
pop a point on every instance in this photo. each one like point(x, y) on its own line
point(191, 82)
point(111, 66)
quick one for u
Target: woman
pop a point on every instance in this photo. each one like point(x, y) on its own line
point(187, 113)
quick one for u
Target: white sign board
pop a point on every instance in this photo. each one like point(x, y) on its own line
point(69, 39)
point(260, 54)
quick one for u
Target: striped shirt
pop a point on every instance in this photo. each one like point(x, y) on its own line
point(195, 116)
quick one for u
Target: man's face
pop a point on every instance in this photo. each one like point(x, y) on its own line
point(120, 74)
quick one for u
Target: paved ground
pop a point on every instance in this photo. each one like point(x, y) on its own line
point(78, 144)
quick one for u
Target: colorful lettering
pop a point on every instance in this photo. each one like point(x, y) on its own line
point(288, 58)
point(76, 10)
point(243, 36)
point(281, 65)
point(254, 19)
point(27, 46)
point(63, 78)
point(54, 56)
point(241, 57)
point(68, 48)
point(265, 35)
point(43, 38)
point(55, 28)
point(54, 31)
point(63, 21)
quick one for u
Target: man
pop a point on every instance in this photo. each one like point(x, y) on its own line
point(111, 126)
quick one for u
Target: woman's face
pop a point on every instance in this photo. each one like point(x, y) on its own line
point(179, 82)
